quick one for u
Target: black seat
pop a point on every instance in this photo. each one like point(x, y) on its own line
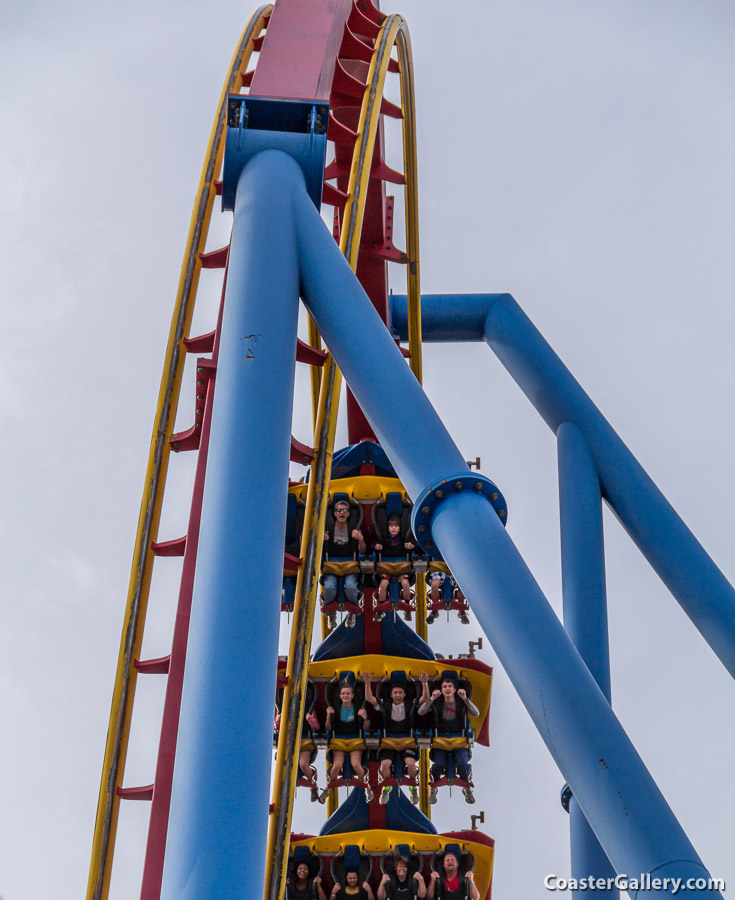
point(309, 704)
point(351, 861)
point(295, 510)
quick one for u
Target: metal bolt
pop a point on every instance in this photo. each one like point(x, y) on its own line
point(197, 424)
point(478, 487)
point(458, 485)
point(493, 496)
point(200, 369)
point(429, 543)
point(422, 528)
point(501, 513)
point(425, 510)
point(439, 495)
point(176, 447)
point(200, 397)
point(200, 383)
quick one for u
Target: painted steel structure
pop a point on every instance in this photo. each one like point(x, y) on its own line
point(672, 550)
point(213, 832)
point(585, 609)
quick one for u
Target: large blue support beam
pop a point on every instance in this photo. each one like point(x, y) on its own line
point(216, 847)
point(583, 554)
point(370, 360)
point(630, 817)
point(588, 858)
point(669, 546)
point(585, 615)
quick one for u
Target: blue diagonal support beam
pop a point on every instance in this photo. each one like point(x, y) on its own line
point(675, 554)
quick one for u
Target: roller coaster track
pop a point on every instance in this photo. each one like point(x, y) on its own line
point(393, 32)
point(118, 732)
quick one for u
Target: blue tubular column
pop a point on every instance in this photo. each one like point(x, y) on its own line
point(669, 546)
point(219, 809)
point(583, 554)
point(585, 613)
point(631, 818)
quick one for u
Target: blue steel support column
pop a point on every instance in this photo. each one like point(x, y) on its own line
point(219, 808)
point(585, 613)
point(583, 554)
point(618, 795)
point(678, 558)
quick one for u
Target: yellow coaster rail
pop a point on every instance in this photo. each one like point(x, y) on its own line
point(118, 732)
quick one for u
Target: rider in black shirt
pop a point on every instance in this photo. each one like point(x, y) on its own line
point(399, 886)
point(301, 887)
point(352, 889)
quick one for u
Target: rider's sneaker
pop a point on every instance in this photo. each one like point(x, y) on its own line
point(413, 795)
point(369, 795)
point(464, 618)
point(378, 617)
point(350, 620)
point(468, 795)
point(432, 617)
point(314, 794)
point(432, 795)
point(332, 620)
point(384, 796)
point(322, 798)
point(407, 615)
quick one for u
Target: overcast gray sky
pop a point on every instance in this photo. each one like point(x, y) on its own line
point(576, 153)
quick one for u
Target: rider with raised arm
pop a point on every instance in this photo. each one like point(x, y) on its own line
point(399, 886)
point(395, 716)
point(452, 707)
